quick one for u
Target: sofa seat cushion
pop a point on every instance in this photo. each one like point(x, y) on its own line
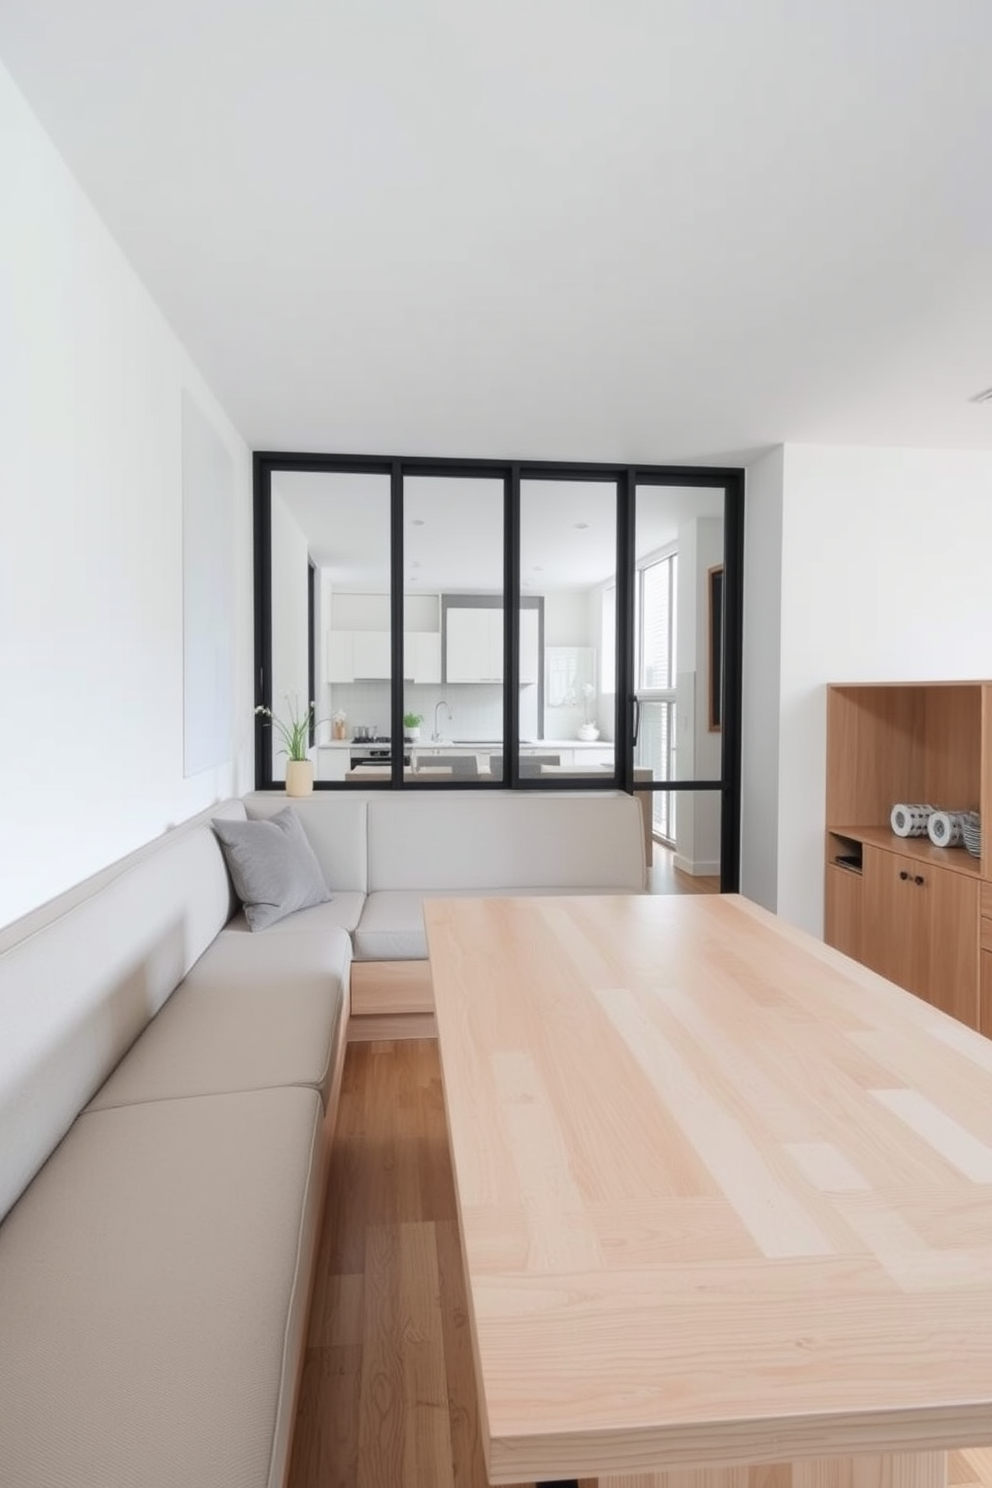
point(392, 923)
point(342, 911)
point(253, 1012)
point(153, 1285)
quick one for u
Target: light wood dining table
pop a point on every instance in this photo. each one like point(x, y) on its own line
point(725, 1198)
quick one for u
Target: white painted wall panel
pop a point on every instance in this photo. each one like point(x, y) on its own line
point(91, 635)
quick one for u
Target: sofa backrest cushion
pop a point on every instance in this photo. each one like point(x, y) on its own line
point(81, 985)
point(336, 826)
point(497, 840)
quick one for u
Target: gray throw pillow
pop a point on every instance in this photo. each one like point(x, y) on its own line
point(272, 867)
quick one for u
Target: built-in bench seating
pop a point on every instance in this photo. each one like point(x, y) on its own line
point(168, 1087)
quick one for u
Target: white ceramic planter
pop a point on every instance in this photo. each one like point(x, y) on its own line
point(299, 777)
point(588, 732)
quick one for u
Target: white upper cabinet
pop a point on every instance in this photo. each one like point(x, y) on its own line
point(530, 661)
point(474, 650)
point(422, 656)
point(475, 645)
point(357, 655)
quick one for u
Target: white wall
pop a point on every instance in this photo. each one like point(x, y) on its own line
point(91, 643)
point(290, 624)
point(885, 576)
point(762, 678)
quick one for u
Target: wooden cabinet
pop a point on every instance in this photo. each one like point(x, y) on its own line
point(843, 920)
point(919, 915)
point(920, 929)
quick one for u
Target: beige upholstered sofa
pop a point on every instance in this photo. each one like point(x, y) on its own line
point(384, 852)
point(168, 1087)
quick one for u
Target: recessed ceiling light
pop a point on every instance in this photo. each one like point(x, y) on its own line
point(536, 568)
point(581, 526)
point(417, 522)
point(983, 397)
point(415, 563)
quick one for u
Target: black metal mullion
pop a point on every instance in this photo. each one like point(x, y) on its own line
point(733, 665)
point(263, 617)
point(396, 622)
point(511, 627)
point(625, 571)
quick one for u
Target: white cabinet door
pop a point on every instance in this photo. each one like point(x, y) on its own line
point(422, 656)
point(332, 763)
point(371, 651)
point(474, 650)
point(529, 659)
point(340, 656)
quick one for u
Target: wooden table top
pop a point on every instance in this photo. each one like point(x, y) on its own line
point(725, 1195)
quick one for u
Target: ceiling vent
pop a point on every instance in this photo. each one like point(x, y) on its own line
point(985, 397)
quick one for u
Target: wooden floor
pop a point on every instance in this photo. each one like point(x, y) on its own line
point(665, 878)
point(388, 1393)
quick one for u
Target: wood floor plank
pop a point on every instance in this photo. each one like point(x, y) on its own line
point(381, 1407)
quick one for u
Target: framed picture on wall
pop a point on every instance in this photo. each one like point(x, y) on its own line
point(715, 646)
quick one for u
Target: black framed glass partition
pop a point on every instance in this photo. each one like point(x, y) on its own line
point(499, 625)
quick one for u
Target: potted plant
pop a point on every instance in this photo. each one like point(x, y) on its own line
point(295, 736)
point(411, 726)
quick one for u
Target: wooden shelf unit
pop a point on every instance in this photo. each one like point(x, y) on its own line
point(918, 914)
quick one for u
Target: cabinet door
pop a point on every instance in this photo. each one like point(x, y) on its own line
point(895, 931)
point(842, 928)
point(422, 656)
point(340, 656)
point(332, 764)
point(469, 648)
point(985, 996)
point(954, 943)
point(371, 653)
point(529, 658)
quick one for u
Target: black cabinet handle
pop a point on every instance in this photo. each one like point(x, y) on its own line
point(918, 879)
point(903, 874)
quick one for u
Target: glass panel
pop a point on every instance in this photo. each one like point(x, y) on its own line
point(684, 828)
point(452, 628)
point(340, 523)
point(567, 628)
point(678, 637)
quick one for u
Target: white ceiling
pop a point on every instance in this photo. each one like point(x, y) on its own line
point(453, 529)
point(657, 230)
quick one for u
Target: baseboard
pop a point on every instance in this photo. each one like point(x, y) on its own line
point(695, 869)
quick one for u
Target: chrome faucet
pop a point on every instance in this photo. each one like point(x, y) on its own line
point(435, 736)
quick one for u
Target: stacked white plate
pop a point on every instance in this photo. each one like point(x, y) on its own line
point(971, 830)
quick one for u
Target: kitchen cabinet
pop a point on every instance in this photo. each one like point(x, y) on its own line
point(358, 655)
point(474, 645)
point(422, 656)
point(530, 662)
point(333, 761)
point(919, 915)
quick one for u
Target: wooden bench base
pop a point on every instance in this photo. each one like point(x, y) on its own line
point(391, 1000)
